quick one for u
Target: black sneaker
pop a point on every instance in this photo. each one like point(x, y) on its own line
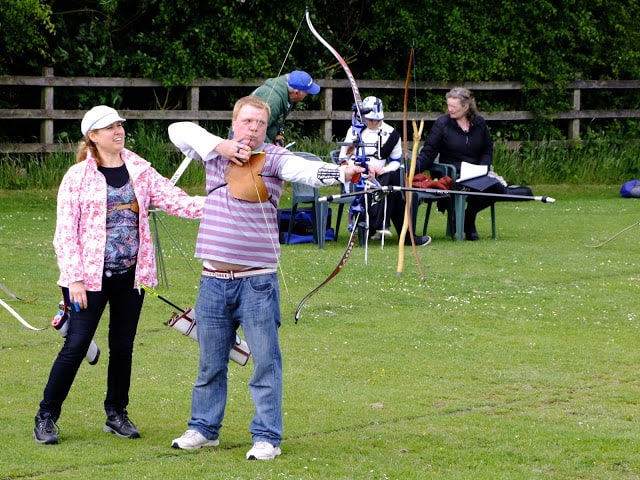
point(472, 236)
point(421, 241)
point(45, 431)
point(121, 425)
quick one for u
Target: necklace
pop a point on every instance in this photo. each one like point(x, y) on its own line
point(464, 125)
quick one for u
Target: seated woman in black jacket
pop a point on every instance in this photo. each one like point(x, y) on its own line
point(459, 136)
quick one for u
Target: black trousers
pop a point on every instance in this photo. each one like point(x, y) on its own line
point(395, 206)
point(125, 305)
point(477, 203)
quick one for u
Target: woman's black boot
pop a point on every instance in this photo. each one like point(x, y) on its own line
point(470, 231)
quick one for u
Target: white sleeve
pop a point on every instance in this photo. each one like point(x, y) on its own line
point(392, 166)
point(349, 137)
point(193, 140)
point(315, 174)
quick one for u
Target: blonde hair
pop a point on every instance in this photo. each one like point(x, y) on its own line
point(466, 100)
point(86, 146)
point(253, 101)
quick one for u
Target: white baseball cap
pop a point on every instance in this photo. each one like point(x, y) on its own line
point(99, 117)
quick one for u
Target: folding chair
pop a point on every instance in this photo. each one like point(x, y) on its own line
point(303, 193)
point(335, 154)
point(437, 171)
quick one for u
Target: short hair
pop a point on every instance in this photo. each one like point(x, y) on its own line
point(253, 101)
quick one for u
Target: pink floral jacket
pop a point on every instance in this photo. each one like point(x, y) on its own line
point(80, 236)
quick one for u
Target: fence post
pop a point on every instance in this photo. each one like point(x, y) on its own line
point(574, 125)
point(193, 101)
point(46, 103)
point(326, 103)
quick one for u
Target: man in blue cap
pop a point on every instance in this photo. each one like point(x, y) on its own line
point(282, 93)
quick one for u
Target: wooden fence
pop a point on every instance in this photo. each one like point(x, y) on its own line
point(47, 114)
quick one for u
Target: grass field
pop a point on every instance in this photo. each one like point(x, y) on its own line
point(516, 359)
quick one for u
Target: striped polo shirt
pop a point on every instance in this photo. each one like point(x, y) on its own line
point(237, 231)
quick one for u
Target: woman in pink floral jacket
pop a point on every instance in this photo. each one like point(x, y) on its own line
point(104, 249)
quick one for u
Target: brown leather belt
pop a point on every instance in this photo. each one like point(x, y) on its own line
point(233, 274)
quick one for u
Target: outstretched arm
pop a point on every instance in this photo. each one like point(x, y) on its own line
point(317, 174)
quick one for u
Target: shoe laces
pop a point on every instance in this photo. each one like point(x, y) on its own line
point(126, 420)
point(47, 425)
point(123, 419)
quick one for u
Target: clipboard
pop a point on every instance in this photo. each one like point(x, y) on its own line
point(475, 177)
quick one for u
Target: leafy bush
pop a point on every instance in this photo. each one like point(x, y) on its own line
point(595, 160)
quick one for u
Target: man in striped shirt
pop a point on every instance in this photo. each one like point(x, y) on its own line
point(238, 244)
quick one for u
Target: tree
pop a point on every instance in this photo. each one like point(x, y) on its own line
point(547, 42)
point(25, 28)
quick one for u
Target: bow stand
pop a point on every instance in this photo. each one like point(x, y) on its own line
point(155, 219)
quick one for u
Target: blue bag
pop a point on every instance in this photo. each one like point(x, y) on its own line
point(302, 231)
point(630, 189)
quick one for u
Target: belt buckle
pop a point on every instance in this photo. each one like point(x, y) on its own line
point(223, 275)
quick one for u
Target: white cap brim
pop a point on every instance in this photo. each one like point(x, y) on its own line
point(101, 121)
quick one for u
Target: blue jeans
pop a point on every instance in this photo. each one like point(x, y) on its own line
point(252, 303)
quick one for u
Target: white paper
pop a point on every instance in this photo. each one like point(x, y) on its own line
point(470, 170)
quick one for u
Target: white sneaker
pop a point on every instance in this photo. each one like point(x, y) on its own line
point(192, 440)
point(263, 451)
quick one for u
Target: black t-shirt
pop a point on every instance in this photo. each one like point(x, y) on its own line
point(116, 176)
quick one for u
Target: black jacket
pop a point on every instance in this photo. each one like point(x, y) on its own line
point(455, 146)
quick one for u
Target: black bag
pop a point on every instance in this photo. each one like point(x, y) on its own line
point(302, 224)
point(519, 190)
point(480, 183)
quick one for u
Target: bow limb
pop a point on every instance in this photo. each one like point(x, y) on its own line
point(13, 295)
point(181, 169)
point(341, 61)
point(17, 316)
point(405, 153)
point(408, 224)
point(336, 271)
point(405, 111)
point(358, 102)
